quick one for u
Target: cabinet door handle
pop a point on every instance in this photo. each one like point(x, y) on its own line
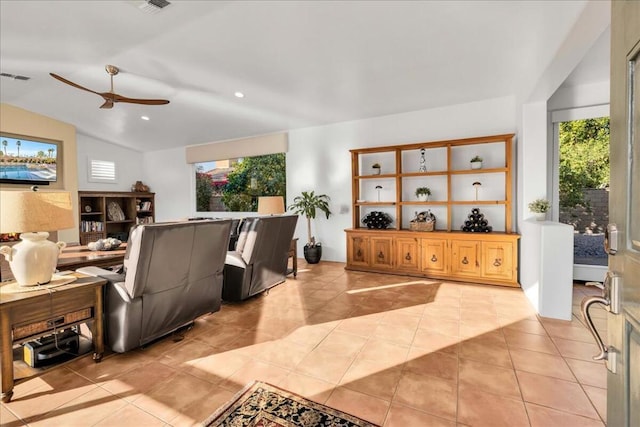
point(359, 253)
point(465, 260)
point(497, 262)
point(434, 258)
point(408, 257)
point(381, 255)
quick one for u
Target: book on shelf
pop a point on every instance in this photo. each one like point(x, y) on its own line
point(144, 220)
point(91, 226)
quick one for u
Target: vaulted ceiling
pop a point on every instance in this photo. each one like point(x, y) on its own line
point(298, 63)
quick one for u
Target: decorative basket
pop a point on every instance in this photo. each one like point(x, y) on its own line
point(86, 238)
point(422, 226)
point(423, 221)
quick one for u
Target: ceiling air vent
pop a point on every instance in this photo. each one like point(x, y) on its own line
point(151, 6)
point(14, 76)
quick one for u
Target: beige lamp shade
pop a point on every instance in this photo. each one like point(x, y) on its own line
point(270, 205)
point(32, 214)
point(32, 211)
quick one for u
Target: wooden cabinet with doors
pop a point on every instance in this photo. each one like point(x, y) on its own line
point(358, 250)
point(381, 256)
point(407, 254)
point(465, 258)
point(488, 258)
point(433, 256)
point(497, 260)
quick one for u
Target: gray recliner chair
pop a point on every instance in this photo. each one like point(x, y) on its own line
point(259, 261)
point(173, 274)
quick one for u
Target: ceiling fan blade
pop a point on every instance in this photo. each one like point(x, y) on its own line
point(70, 83)
point(120, 98)
point(110, 97)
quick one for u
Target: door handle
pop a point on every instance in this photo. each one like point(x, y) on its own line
point(610, 299)
point(611, 239)
point(587, 302)
point(408, 257)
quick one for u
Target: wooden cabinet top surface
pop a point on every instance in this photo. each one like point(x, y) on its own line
point(113, 194)
point(458, 235)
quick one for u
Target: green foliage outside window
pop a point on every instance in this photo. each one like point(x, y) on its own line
point(584, 158)
point(251, 178)
point(204, 190)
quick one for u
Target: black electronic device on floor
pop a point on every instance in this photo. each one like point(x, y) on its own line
point(51, 348)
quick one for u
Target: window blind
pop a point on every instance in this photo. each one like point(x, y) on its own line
point(102, 170)
point(232, 149)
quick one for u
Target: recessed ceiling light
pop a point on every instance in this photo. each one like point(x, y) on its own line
point(239, 95)
point(144, 117)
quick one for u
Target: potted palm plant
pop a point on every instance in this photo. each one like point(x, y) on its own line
point(307, 204)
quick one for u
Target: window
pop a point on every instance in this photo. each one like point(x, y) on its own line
point(234, 185)
point(102, 171)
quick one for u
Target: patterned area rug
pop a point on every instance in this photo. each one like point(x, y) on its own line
point(263, 405)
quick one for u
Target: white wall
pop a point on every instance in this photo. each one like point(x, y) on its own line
point(128, 164)
point(167, 173)
point(319, 158)
point(580, 96)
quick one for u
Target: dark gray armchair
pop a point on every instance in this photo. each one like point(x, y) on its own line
point(174, 273)
point(259, 261)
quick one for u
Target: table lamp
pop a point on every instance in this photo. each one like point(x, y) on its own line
point(271, 205)
point(33, 260)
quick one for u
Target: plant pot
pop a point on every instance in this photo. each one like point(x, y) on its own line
point(540, 216)
point(312, 253)
point(376, 171)
point(476, 165)
point(423, 198)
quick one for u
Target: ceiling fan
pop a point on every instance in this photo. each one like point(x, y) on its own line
point(111, 97)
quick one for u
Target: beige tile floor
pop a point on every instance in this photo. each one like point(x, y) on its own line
point(394, 350)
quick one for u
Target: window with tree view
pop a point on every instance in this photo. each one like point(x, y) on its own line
point(234, 185)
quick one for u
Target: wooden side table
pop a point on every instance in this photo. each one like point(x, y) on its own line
point(293, 253)
point(25, 316)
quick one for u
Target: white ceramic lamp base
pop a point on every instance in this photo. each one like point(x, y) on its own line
point(33, 261)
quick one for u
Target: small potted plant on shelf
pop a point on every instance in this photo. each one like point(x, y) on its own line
point(540, 207)
point(308, 204)
point(423, 193)
point(476, 162)
point(376, 168)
